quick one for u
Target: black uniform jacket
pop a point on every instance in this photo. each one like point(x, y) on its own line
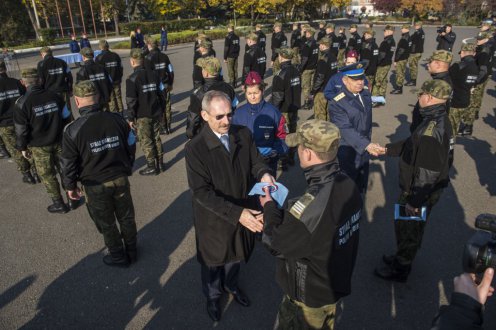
point(464, 75)
point(98, 75)
point(55, 74)
point(334, 43)
point(231, 46)
point(197, 70)
point(219, 182)
point(403, 49)
point(418, 39)
point(370, 53)
point(96, 148)
point(262, 39)
point(316, 237)
point(483, 58)
point(194, 121)
point(254, 60)
point(309, 55)
point(144, 95)
point(278, 40)
point(386, 51)
point(425, 155)
point(160, 63)
point(463, 312)
point(39, 118)
point(296, 38)
point(112, 63)
point(10, 90)
point(446, 42)
point(354, 43)
point(327, 66)
point(286, 88)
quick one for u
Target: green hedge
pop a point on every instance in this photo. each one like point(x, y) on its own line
point(172, 26)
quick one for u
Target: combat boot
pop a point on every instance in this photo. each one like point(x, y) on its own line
point(35, 175)
point(461, 129)
point(58, 206)
point(467, 130)
point(74, 204)
point(412, 82)
point(116, 258)
point(4, 154)
point(394, 272)
point(160, 164)
point(397, 91)
point(132, 251)
point(28, 178)
point(150, 169)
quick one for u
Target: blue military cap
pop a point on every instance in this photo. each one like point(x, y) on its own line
point(355, 71)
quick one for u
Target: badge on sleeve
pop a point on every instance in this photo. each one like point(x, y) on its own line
point(300, 206)
point(339, 96)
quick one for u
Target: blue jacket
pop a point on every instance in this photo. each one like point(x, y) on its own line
point(74, 46)
point(85, 43)
point(140, 40)
point(355, 124)
point(267, 125)
point(163, 37)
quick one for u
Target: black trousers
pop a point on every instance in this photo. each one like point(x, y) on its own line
point(214, 278)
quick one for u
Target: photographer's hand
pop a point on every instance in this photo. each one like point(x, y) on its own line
point(466, 283)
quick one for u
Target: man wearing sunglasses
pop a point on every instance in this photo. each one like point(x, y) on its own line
point(223, 164)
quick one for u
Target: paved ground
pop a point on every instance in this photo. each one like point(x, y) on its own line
point(51, 274)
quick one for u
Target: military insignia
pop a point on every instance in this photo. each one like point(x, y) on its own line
point(365, 87)
point(300, 206)
point(429, 130)
point(339, 97)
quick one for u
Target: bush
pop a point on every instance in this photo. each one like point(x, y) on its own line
point(48, 36)
point(172, 26)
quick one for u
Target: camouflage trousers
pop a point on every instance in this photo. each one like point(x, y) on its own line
point(306, 83)
point(232, 69)
point(115, 103)
point(409, 233)
point(371, 80)
point(455, 115)
point(381, 81)
point(291, 120)
point(167, 118)
point(149, 138)
point(475, 103)
point(276, 67)
point(47, 160)
point(320, 107)
point(8, 136)
point(296, 58)
point(413, 61)
point(400, 72)
point(294, 315)
point(108, 202)
point(341, 58)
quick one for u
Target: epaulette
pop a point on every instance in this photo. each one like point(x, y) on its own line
point(366, 87)
point(428, 131)
point(339, 96)
point(300, 206)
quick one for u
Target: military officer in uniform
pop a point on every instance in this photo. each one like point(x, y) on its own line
point(39, 117)
point(401, 58)
point(112, 63)
point(296, 42)
point(278, 40)
point(416, 51)
point(204, 50)
point(322, 31)
point(309, 58)
point(254, 59)
point(231, 54)
point(330, 28)
point(145, 109)
point(262, 38)
point(160, 63)
point(355, 41)
point(386, 52)
point(342, 45)
point(369, 53)
point(327, 66)
point(98, 149)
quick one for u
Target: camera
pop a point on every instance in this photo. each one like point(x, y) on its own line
point(480, 250)
point(441, 29)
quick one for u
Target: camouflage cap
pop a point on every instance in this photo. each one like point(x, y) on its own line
point(316, 134)
point(85, 88)
point(29, 73)
point(45, 50)
point(103, 44)
point(286, 52)
point(353, 26)
point(205, 43)
point(87, 52)
point(468, 47)
point(330, 26)
point(278, 24)
point(405, 26)
point(2, 64)
point(484, 35)
point(151, 41)
point(210, 64)
point(389, 28)
point(440, 89)
point(137, 54)
point(324, 41)
point(441, 55)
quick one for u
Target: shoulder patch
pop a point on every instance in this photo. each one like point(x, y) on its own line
point(300, 206)
point(339, 97)
point(428, 131)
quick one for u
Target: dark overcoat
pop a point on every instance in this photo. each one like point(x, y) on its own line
point(220, 181)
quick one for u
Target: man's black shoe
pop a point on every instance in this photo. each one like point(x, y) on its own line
point(397, 91)
point(393, 272)
point(461, 129)
point(467, 130)
point(411, 83)
point(239, 296)
point(377, 104)
point(213, 309)
point(28, 178)
point(150, 169)
point(388, 260)
point(4, 154)
point(132, 252)
point(74, 204)
point(116, 258)
point(58, 206)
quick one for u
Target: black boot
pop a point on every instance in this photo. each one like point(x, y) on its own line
point(74, 204)
point(461, 129)
point(397, 91)
point(28, 178)
point(168, 129)
point(35, 175)
point(467, 130)
point(412, 82)
point(132, 251)
point(150, 169)
point(58, 206)
point(160, 164)
point(4, 154)
point(393, 272)
point(116, 258)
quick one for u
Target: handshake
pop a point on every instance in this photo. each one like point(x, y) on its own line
point(375, 149)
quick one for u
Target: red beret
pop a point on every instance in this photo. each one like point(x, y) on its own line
point(253, 78)
point(352, 53)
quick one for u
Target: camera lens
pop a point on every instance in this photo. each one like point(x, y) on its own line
point(476, 259)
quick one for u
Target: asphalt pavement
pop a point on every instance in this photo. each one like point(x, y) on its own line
point(52, 276)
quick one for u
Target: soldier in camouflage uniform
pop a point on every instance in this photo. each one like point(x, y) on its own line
point(424, 173)
point(386, 51)
point(40, 117)
point(416, 51)
point(342, 45)
point(401, 58)
point(278, 40)
point(231, 54)
point(316, 254)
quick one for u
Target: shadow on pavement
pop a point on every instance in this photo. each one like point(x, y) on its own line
point(16, 290)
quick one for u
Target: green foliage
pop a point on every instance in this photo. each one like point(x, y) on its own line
point(172, 25)
point(48, 36)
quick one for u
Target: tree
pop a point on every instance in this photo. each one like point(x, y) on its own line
point(422, 7)
point(387, 6)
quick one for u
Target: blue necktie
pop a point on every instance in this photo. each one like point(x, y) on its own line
point(225, 141)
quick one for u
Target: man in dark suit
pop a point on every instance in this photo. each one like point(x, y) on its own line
point(223, 164)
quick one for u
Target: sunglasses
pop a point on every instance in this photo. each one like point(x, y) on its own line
point(220, 117)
